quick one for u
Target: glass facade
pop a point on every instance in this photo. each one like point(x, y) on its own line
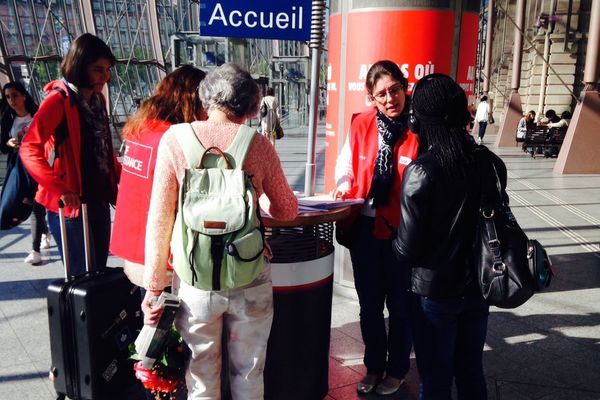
point(36, 34)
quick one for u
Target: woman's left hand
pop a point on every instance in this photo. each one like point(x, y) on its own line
point(12, 142)
point(151, 312)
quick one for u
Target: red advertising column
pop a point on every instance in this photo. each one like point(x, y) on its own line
point(467, 55)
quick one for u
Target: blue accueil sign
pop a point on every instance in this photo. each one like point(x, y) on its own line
point(264, 19)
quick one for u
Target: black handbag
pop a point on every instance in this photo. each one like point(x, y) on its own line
point(510, 267)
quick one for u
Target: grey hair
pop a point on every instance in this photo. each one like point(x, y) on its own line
point(231, 89)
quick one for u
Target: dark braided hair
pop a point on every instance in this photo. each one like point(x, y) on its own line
point(441, 107)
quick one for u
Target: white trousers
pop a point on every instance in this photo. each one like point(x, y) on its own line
point(246, 315)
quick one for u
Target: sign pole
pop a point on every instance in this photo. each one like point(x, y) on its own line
point(316, 39)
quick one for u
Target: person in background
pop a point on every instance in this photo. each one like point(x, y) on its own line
point(563, 122)
point(231, 97)
point(482, 116)
point(19, 111)
point(527, 122)
point(269, 115)
point(550, 117)
point(68, 150)
point(175, 100)
point(440, 203)
point(370, 165)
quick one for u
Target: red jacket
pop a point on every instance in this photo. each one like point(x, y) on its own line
point(65, 173)
point(364, 142)
point(135, 188)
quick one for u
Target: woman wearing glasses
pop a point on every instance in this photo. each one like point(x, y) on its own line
point(370, 165)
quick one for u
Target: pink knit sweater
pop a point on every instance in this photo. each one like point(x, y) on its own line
point(262, 162)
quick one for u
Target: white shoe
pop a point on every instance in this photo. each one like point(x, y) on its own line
point(45, 242)
point(34, 258)
point(478, 140)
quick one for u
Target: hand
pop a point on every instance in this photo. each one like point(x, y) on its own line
point(151, 312)
point(70, 199)
point(12, 142)
point(339, 194)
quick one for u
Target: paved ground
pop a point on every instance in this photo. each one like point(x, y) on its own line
point(547, 349)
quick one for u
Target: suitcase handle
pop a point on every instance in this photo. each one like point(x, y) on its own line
point(63, 238)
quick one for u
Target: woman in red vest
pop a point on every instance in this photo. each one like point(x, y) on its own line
point(175, 100)
point(370, 165)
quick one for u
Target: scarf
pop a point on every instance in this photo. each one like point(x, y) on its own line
point(390, 131)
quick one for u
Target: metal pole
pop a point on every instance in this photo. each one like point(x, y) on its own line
point(488, 47)
point(590, 75)
point(458, 14)
point(518, 46)
point(316, 39)
point(542, 99)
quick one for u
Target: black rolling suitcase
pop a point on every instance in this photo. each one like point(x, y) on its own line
point(92, 320)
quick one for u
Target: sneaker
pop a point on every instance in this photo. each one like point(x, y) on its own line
point(389, 385)
point(34, 258)
point(45, 242)
point(478, 140)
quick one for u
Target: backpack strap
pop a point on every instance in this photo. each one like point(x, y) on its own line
point(190, 145)
point(240, 145)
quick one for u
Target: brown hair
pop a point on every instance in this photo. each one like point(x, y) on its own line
point(381, 68)
point(84, 50)
point(175, 100)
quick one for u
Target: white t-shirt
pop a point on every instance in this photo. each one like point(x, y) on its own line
point(483, 110)
point(19, 127)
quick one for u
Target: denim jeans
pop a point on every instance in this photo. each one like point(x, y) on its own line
point(482, 128)
point(381, 280)
point(99, 225)
point(449, 339)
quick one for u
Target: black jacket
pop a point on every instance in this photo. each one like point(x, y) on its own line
point(438, 224)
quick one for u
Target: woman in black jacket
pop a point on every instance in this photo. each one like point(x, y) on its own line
point(440, 201)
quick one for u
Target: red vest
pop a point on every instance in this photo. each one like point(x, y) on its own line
point(129, 228)
point(364, 141)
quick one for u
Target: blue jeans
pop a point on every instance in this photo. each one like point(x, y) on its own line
point(482, 128)
point(99, 225)
point(381, 280)
point(449, 338)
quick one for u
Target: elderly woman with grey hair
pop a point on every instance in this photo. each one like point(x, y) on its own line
point(230, 96)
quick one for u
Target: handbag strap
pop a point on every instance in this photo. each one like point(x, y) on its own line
point(488, 210)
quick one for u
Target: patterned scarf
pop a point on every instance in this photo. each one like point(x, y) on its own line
point(390, 131)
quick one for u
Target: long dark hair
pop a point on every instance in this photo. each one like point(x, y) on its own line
point(30, 104)
point(85, 50)
point(440, 104)
point(175, 100)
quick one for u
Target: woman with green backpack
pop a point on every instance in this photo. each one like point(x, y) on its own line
point(212, 297)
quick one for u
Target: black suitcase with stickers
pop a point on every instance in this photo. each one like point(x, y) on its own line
point(92, 319)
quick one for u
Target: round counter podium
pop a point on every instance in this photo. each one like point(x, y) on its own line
point(297, 364)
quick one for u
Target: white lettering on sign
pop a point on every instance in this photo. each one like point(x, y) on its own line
point(133, 163)
point(251, 19)
point(137, 159)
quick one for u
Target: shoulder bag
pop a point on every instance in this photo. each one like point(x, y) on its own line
point(510, 267)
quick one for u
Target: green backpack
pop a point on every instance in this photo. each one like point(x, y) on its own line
point(217, 240)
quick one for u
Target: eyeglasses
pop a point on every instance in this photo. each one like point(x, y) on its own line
point(393, 91)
